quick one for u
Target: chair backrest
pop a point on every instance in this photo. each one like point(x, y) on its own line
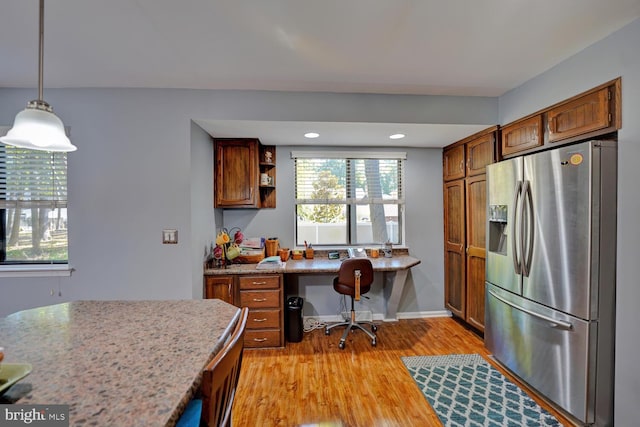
point(346, 274)
point(220, 377)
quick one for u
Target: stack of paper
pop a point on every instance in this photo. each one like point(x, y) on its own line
point(270, 263)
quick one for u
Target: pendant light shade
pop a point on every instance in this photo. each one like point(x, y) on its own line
point(36, 127)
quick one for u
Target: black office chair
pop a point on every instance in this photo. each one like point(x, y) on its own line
point(354, 279)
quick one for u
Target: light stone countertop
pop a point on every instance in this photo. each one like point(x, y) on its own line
point(318, 265)
point(116, 363)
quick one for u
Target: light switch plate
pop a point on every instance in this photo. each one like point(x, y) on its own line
point(169, 236)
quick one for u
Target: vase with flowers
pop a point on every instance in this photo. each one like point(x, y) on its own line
point(227, 249)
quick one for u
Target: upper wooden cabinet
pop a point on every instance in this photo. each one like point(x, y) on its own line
point(453, 163)
point(239, 164)
point(585, 114)
point(590, 114)
point(522, 135)
point(480, 153)
point(469, 156)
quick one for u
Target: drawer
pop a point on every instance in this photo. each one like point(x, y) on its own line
point(264, 319)
point(262, 338)
point(260, 299)
point(259, 282)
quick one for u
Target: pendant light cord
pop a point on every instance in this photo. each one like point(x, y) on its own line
point(41, 56)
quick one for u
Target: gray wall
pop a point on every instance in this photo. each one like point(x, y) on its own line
point(142, 165)
point(616, 55)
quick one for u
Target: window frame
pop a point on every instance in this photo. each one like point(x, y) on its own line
point(33, 267)
point(351, 202)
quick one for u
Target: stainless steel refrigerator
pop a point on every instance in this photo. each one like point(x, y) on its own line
point(550, 274)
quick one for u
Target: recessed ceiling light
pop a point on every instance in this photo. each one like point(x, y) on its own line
point(311, 135)
point(397, 136)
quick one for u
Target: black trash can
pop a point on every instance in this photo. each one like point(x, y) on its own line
point(294, 327)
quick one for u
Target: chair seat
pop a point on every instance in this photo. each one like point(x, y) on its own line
point(191, 415)
point(344, 289)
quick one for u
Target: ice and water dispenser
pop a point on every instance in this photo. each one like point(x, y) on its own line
point(498, 229)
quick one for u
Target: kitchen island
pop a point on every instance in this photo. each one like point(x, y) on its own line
point(130, 363)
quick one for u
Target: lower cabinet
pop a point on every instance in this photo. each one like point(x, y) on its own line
point(454, 247)
point(475, 207)
point(221, 287)
point(263, 295)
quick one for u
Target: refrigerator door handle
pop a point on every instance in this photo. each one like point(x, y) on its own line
point(514, 240)
point(527, 201)
point(553, 323)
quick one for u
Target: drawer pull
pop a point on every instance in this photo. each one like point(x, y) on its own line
point(259, 339)
point(259, 299)
point(264, 319)
point(259, 283)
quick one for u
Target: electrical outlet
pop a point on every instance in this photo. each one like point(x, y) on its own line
point(169, 237)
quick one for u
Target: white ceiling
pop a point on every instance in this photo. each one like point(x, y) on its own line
point(433, 47)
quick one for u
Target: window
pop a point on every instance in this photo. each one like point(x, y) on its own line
point(33, 206)
point(349, 198)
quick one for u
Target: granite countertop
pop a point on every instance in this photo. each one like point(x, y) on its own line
point(319, 264)
point(122, 363)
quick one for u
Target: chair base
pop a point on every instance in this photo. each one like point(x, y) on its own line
point(350, 325)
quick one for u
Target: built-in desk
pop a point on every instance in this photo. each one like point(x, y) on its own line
point(398, 265)
point(115, 363)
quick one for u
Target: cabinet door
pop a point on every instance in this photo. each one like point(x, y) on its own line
point(454, 256)
point(453, 163)
point(480, 153)
point(522, 135)
point(236, 174)
point(585, 114)
point(220, 287)
point(476, 198)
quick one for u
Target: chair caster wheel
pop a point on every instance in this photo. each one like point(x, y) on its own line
point(374, 342)
point(341, 345)
point(327, 331)
point(374, 328)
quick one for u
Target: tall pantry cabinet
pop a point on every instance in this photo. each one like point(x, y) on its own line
point(464, 191)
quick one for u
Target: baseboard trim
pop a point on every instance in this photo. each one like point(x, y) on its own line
point(380, 316)
point(423, 314)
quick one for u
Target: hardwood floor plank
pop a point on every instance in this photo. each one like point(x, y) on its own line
point(313, 382)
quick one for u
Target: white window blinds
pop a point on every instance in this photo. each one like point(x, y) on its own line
point(349, 180)
point(30, 178)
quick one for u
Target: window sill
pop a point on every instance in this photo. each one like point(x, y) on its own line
point(64, 270)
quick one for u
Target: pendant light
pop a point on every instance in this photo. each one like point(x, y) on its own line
point(36, 127)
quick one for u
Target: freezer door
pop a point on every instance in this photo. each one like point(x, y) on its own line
point(553, 352)
point(503, 258)
point(560, 264)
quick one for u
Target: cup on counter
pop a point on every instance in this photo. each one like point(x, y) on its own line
point(271, 246)
point(375, 253)
point(308, 253)
point(284, 254)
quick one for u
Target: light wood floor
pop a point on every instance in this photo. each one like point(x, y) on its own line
point(315, 383)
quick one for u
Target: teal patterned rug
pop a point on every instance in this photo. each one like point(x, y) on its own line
point(465, 390)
